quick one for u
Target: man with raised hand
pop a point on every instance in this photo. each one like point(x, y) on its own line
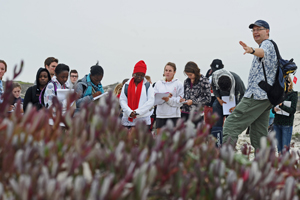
point(253, 110)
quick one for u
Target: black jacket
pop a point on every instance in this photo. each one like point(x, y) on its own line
point(284, 120)
point(32, 94)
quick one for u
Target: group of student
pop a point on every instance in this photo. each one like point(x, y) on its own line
point(137, 94)
point(51, 78)
point(137, 98)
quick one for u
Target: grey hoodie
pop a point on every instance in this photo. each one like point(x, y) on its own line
point(80, 89)
point(239, 88)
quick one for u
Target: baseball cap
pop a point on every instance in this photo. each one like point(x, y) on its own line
point(261, 23)
point(216, 64)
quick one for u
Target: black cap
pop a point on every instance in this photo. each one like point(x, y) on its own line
point(261, 23)
point(216, 64)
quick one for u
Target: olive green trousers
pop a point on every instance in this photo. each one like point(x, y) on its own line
point(248, 113)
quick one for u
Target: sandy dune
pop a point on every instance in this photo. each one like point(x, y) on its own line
point(243, 138)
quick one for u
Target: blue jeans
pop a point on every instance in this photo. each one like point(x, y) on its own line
point(271, 120)
point(217, 132)
point(283, 136)
point(217, 108)
point(217, 129)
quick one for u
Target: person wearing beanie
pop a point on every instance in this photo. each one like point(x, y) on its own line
point(170, 108)
point(90, 85)
point(137, 98)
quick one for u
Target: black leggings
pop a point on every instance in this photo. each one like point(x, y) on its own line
point(160, 122)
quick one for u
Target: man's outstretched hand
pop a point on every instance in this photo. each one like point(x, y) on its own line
point(246, 48)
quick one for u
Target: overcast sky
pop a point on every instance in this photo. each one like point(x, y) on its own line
point(120, 33)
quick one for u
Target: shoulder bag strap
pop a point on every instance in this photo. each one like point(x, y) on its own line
point(147, 85)
point(264, 71)
point(55, 87)
point(126, 89)
point(277, 55)
point(276, 50)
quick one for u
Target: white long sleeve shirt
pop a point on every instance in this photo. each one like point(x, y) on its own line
point(171, 108)
point(145, 104)
point(50, 93)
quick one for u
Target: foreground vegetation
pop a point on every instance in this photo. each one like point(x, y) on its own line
point(93, 157)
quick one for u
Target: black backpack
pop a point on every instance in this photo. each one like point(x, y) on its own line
point(147, 84)
point(276, 93)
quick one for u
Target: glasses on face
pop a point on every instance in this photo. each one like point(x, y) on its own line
point(74, 76)
point(257, 30)
point(138, 76)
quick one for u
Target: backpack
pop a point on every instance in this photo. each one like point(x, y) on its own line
point(41, 97)
point(83, 86)
point(277, 92)
point(147, 85)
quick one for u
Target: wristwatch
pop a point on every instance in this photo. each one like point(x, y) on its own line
point(253, 50)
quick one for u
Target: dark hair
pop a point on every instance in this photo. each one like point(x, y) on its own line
point(192, 67)
point(60, 68)
point(73, 71)
point(224, 83)
point(125, 80)
point(172, 65)
point(147, 77)
point(50, 60)
point(96, 70)
point(2, 61)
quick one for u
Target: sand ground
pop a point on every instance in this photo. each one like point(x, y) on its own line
point(295, 143)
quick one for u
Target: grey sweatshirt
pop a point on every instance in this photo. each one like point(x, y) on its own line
point(239, 89)
point(80, 88)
